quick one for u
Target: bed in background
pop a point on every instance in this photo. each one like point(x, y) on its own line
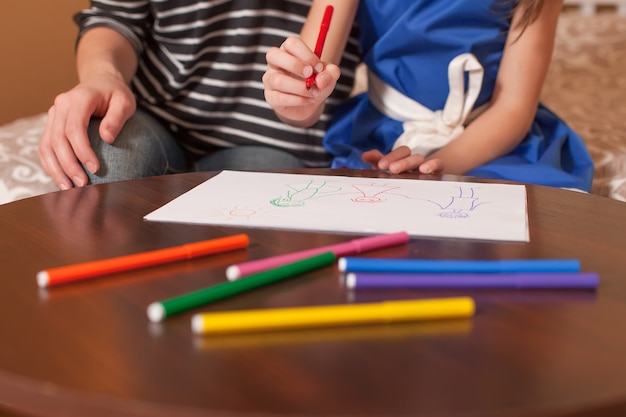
point(21, 175)
point(584, 86)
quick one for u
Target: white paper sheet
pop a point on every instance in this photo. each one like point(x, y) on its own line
point(354, 205)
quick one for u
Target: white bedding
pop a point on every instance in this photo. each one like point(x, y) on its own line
point(21, 174)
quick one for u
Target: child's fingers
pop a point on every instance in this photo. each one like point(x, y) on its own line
point(432, 166)
point(280, 99)
point(407, 164)
point(295, 46)
point(281, 61)
point(327, 79)
point(294, 57)
point(372, 157)
point(394, 157)
point(401, 160)
point(278, 82)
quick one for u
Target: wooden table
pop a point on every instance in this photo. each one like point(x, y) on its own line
point(88, 350)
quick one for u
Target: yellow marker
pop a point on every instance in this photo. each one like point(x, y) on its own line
point(333, 315)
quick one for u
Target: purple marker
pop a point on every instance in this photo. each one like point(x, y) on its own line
point(351, 247)
point(516, 280)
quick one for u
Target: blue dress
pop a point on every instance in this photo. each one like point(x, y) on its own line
point(409, 47)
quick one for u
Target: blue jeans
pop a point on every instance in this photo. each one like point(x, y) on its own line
point(145, 148)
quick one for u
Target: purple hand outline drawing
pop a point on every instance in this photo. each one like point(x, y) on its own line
point(460, 205)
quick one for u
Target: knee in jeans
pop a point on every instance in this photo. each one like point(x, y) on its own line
point(142, 148)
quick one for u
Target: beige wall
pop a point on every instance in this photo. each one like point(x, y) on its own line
point(36, 54)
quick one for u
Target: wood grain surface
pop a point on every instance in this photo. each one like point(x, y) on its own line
point(87, 349)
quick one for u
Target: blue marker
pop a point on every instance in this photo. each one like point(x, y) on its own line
point(462, 266)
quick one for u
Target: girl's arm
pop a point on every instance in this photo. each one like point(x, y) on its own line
point(513, 105)
point(295, 60)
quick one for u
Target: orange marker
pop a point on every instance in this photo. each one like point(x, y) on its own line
point(321, 38)
point(64, 274)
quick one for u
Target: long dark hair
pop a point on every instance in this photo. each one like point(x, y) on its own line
point(530, 11)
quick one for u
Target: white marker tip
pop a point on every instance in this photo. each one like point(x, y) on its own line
point(341, 263)
point(197, 324)
point(42, 279)
point(232, 273)
point(351, 280)
point(156, 312)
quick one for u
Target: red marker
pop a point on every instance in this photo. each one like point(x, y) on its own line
point(321, 38)
point(87, 270)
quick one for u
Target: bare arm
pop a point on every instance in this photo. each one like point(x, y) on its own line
point(341, 24)
point(105, 51)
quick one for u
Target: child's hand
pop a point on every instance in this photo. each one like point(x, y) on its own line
point(285, 86)
point(401, 160)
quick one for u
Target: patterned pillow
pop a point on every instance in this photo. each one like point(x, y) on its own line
point(21, 175)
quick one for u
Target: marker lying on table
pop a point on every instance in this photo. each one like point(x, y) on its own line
point(321, 39)
point(523, 280)
point(334, 315)
point(451, 266)
point(64, 274)
point(351, 247)
point(159, 310)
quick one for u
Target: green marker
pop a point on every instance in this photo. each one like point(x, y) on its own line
point(159, 310)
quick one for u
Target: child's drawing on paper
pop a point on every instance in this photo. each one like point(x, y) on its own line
point(374, 193)
point(354, 205)
point(459, 205)
point(238, 212)
point(298, 194)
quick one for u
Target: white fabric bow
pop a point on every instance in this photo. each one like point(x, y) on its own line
point(424, 130)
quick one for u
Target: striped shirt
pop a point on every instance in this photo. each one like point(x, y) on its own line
point(201, 64)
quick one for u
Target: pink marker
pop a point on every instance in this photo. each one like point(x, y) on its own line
point(349, 248)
